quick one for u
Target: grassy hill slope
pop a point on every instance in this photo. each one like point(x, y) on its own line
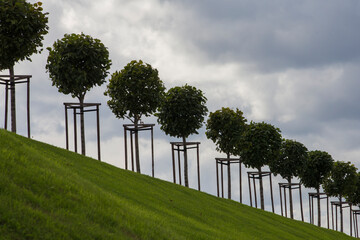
point(50, 193)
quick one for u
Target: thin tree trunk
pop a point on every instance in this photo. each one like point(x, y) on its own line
point(12, 99)
point(291, 200)
point(229, 178)
point(185, 164)
point(319, 209)
point(261, 190)
point(137, 155)
point(341, 215)
point(82, 125)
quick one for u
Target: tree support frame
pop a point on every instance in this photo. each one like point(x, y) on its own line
point(254, 176)
point(355, 214)
point(179, 147)
point(18, 79)
point(87, 107)
point(313, 196)
point(226, 162)
point(344, 205)
point(290, 186)
point(131, 128)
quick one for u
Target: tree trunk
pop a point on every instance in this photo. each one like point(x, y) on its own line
point(185, 164)
point(12, 99)
point(82, 125)
point(261, 190)
point(318, 205)
point(137, 155)
point(291, 200)
point(341, 215)
point(229, 178)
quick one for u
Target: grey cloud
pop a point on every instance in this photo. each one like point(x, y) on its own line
point(279, 34)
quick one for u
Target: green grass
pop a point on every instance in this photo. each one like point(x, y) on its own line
point(50, 193)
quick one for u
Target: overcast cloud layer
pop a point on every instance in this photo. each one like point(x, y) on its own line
point(292, 64)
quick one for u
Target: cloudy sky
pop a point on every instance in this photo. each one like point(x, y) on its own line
point(294, 64)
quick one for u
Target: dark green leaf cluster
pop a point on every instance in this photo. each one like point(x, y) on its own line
point(293, 156)
point(76, 63)
point(135, 91)
point(182, 111)
point(342, 180)
point(316, 169)
point(354, 197)
point(22, 29)
point(225, 128)
point(260, 145)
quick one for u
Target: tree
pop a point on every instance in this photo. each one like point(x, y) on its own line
point(316, 168)
point(354, 197)
point(76, 63)
point(181, 113)
point(341, 183)
point(225, 128)
point(134, 92)
point(260, 145)
point(292, 157)
point(22, 29)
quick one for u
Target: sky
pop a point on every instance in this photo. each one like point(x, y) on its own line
point(294, 64)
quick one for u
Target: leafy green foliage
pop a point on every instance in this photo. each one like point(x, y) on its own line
point(76, 63)
point(316, 169)
point(342, 180)
point(261, 145)
point(135, 91)
point(182, 111)
point(22, 29)
point(354, 197)
point(49, 193)
point(293, 155)
point(225, 128)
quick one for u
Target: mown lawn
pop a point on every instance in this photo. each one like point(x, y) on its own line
point(50, 193)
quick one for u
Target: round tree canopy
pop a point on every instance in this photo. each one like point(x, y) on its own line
point(342, 180)
point(22, 27)
point(354, 197)
point(182, 111)
point(225, 128)
point(76, 63)
point(316, 168)
point(293, 155)
point(260, 145)
point(135, 91)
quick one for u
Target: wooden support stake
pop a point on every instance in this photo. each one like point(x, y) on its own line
point(75, 130)
point(98, 131)
point(173, 162)
point(152, 153)
point(198, 165)
point(6, 103)
point(217, 178)
point(28, 106)
point(126, 155)
point(66, 129)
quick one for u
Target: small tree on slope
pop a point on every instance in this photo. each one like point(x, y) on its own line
point(134, 92)
point(76, 63)
point(316, 168)
point(260, 145)
point(341, 183)
point(22, 29)
point(292, 158)
point(181, 114)
point(225, 128)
